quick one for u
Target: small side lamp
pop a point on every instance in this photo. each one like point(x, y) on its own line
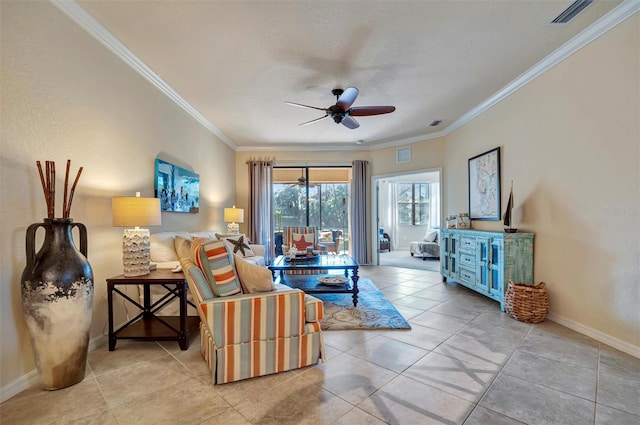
point(135, 211)
point(231, 215)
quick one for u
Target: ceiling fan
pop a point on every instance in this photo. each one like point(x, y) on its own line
point(342, 112)
point(302, 180)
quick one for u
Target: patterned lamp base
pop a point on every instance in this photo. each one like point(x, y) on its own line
point(135, 252)
point(233, 228)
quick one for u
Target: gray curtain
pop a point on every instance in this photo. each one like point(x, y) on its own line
point(261, 204)
point(360, 235)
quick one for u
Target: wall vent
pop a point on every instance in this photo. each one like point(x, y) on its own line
point(403, 154)
point(570, 12)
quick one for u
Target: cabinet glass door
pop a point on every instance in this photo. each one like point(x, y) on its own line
point(444, 265)
point(496, 269)
point(483, 262)
point(453, 256)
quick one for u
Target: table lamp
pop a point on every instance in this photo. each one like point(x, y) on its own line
point(129, 211)
point(231, 215)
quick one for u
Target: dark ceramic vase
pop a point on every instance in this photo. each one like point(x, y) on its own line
point(57, 299)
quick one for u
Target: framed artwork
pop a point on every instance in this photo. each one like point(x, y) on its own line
point(177, 188)
point(484, 186)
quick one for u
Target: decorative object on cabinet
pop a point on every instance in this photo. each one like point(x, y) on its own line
point(463, 221)
point(135, 211)
point(527, 303)
point(485, 261)
point(507, 218)
point(178, 189)
point(484, 186)
point(231, 215)
point(451, 221)
point(57, 290)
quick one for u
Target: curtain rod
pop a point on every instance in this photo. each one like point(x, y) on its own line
point(305, 163)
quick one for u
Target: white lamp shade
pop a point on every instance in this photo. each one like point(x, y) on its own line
point(235, 215)
point(133, 211)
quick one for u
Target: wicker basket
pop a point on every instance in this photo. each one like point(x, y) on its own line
point(527, 303)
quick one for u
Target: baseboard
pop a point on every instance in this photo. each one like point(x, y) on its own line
point(22, 383)
point(98, 342)
point(32, 378)
point(602, 337)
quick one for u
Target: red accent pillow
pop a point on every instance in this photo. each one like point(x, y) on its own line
point(301, 244)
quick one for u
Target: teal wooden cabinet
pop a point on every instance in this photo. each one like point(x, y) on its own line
point(485, 261)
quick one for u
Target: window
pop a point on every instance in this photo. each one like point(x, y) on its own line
point(413, 204)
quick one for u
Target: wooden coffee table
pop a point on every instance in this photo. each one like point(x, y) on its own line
point(311, 283)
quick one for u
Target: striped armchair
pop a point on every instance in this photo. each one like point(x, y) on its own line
point(247, 335)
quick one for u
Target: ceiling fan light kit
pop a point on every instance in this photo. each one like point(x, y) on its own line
point(342, 112)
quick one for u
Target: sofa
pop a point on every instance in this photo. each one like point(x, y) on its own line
point(163, 252)
point(249, 326)
point(163, 256)
point(428, 247)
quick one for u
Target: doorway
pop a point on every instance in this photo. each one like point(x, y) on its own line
point(405, 206)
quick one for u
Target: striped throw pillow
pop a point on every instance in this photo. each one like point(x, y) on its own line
point(216, 263)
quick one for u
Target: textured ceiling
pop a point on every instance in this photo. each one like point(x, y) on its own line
point(237, 62)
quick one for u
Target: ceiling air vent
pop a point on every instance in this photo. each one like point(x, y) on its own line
point(570, 12)
point(435, 123)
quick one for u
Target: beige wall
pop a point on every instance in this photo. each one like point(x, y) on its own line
point(570, 141)
point(424, 155)
point(64, 96)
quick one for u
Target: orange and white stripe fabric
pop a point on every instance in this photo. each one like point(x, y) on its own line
point(216, 262)
point(248, 335)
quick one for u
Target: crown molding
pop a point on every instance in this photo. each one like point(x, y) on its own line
point(617, 15)
point(100, 33)
point(303, 148)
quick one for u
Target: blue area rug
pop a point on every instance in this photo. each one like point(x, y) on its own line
point(373, 310)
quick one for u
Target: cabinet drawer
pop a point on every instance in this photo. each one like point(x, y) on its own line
point(467, 260)
point(467, 276)
point(467, 243)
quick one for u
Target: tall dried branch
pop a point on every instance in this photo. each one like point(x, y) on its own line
point(73, 189)
point(48, 182)
point(66, 184)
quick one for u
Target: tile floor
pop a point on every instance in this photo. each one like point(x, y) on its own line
point(464, 362)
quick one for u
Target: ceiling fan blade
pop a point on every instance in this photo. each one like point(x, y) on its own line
point(300, 105)
point(350, 122)
point(312, 121)
point(347, 98)
point(363, 111)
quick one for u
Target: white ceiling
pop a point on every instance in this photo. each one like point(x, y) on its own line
point(237, 62)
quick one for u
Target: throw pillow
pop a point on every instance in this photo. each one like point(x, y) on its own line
point(326, 237)
point(183, 247)
point(253, 278)
point(302, 240)
point(430, 236)
point(215, 261)
point(239, 245)
point(163, 246)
